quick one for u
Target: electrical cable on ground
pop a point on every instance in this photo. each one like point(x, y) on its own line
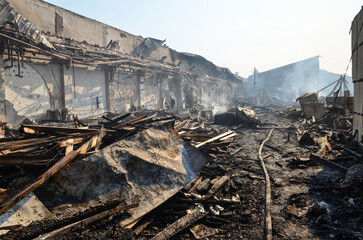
point(268, 220)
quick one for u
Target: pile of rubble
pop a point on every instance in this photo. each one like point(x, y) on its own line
point(171, 174)
point(131, 161)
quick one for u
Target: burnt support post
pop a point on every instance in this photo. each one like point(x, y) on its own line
point(139, 74)
point(2, 91)
point(108, 78)
point(63, 88)
point(159, 80)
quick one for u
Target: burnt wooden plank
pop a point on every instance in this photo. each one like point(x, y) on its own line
point(179, 225)
point(45, 176)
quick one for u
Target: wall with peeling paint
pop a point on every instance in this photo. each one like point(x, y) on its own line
point(85, 92)
point(26, 97)
point(92, 91)
point(74, 26)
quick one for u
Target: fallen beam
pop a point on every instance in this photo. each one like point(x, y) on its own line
point(237, 151)
point(207, 201)
point(136, 120)
point(26, 143)
point(47, 129)
point(103, 216)
point(23, 161)
point(214, 139)
point(180, 125)
point(217, 186)
point(351, 152)
point(117, 118)
point(328, 163)
point(45, 176)
point(195, 185)
point(179, 225)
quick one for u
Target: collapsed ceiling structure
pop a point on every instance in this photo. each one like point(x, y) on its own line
point(74, 62)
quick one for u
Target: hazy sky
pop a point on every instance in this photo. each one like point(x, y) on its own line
point(237, 34)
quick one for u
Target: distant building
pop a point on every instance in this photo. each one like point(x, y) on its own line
point(290, 81)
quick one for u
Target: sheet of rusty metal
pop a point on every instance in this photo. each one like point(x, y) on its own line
point(45, 176)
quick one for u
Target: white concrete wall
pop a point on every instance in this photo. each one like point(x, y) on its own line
point(75, 26)
point(82, 88)
point(51, 75)
point(123, 92)
point(26, 97)
point(357, 73)
point(150, 90)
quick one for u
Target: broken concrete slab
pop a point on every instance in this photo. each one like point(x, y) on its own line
point(29, 209)
point(147, 168)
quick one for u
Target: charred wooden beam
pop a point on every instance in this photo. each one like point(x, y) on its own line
point(207, 201)
point(115, 119)
point(48, 129)
point(351, 151)
point(135, 120)
point(328, 163)
point(179, 225)
point(214, 139)
point(102, 217)
point(217, 186)
point(78, 122)
point(45, 176)
point(23, 161)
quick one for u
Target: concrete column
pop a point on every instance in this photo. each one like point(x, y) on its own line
point(108, 77)
point(2, 91)
point(160, 80)
point(62, 99)
point(161, 98)
point(138, 88)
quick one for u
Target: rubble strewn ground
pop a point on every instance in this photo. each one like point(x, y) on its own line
point(309, 200)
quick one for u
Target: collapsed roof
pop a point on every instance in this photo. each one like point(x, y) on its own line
point(69, 37)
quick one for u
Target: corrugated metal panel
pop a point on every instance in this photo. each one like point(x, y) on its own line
point(9, 14)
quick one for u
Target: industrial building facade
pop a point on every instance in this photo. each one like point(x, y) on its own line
point(54, 59)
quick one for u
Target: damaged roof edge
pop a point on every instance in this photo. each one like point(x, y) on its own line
point(128, 44)
point(9, 14)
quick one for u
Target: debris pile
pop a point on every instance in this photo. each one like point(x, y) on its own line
point(310, 105)
point(243, 117)
point(140, 158)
